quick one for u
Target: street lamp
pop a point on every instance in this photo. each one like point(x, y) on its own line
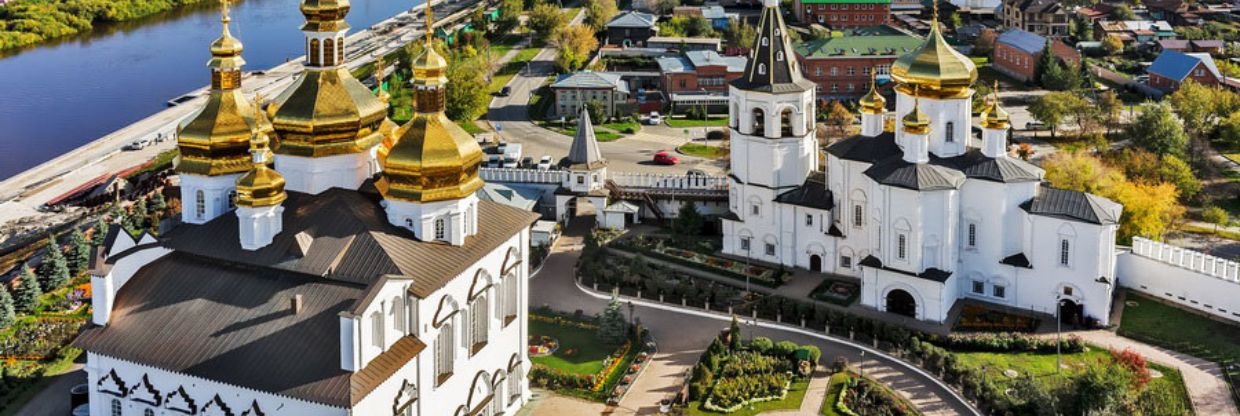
point(861, 365)
point(705, 116)
point(1058, 329)
point(631, 307)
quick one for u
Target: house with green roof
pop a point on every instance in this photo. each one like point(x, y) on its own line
point(843, 14)
point(841, 65)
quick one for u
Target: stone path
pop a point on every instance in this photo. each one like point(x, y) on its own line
point(814, 395)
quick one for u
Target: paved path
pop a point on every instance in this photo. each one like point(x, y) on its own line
point(54, 399)
point(682, 336)
point(814, 395)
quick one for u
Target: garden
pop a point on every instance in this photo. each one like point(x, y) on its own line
point(664, 249)
point(850, 394)
point(979, 318)
point(837, 291)
point(595, 358)
point(1149, 320)
point(737, 378)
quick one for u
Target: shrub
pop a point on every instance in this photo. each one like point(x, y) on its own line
point(784, 348)
point(811, 351)
point(761, 344)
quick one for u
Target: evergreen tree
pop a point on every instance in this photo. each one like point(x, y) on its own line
point(734, 335)
point(688, 221)
point(158, 203)
point(1045, 62)
point(136, 221)
point(79, 252)
point(612, 328)
point(7, 313)
point(101, 232)
point(26, 298)
point(54, 270)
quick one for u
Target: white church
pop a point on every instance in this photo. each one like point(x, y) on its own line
point(925, 215)
point(341, 291)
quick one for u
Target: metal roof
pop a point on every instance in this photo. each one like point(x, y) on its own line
point(772, 63)
point(972, 164)
point(633, 19)
point(1073, 205)
point(1028, 42)
point(895, 171)
point(584, 154)
point(1177, 65)
point(517, 197)
point(695, 59)
point(591, 79)
point(812, 194)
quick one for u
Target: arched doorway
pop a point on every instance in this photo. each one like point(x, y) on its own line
point(815, 263)
point(901, 302)
point(1070, 312)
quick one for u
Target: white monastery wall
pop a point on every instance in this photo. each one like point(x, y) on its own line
point(1188, 278)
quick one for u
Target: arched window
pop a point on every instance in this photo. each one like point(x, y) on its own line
point(340, 50)
point(948, 129)
point(480, 320)
point(314, 52)
point(761, 69)
point(759, 122)
point(779, 56)
point(736, 113)
point(200, 204)
point(398, 315)
point(858, 215)
point(116, 407)
point(515, 376)
point(232, 199)
point(766, 41)
point(445, 353)
point(972, 235)
point(902, 246)
point(512, 290)
point(1065, 252)
point(469, 220)
point(441, 229)
point(329, 52)
point(785, 123)
point(500, 400)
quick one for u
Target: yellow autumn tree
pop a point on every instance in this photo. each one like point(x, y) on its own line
point(1150, 207)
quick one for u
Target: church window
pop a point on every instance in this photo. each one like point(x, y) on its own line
point(1064, 248)
point(1067, 291)
point(785, 122)
point(902, 247)
point(512, 289)
point(232, 199)
point(329, 52)
point(314, 52)
point(514, 383)
point(979, 287)
point(999, 291)
point(116, 407)
point(148, 412)
point(754, 209)
point(745, 244)
point(441, 229)
point(972, 235)
point(766, 41)
point(846, 262)
point(200, 204)
point(779, 56)
point(759, 121)
point(376, 329)
point(581, 179)
point(480, 320)
point(858, 218)
point(398, 314)
point(809, 219)
point(444, 352)
point(409, 222)
point(770, 249)
point(762, 68)
point(340, 50)
point(948, 131)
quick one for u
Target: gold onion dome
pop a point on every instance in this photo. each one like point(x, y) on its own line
point(216, 140)
point(916, 121)
point(937, 68)
point(433, 159)
point(262, 186)
point(325, 15)
point(994, 116)
point(226, 46)
point(873, 102)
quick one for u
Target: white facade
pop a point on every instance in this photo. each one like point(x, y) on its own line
point(205, 197)
point(259, 225)
point(313, 175)
point(448, 221)
point(1184, 277)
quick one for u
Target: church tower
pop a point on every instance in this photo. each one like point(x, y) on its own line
point(328, 123)
point(430, 172)
point(873, 108)
point(995, 126)
point(214, 144)
point(586, 166)
point(940, 78)
point(260, 195)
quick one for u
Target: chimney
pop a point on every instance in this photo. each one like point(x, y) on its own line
point(297, 302)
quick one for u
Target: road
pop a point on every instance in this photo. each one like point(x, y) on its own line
point(629, 154)
point(683, 336)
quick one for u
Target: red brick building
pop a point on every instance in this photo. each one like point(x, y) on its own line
point(1172, 68)
point(840, 14)
point(841, 66)
point(698, 71)
point(1017, 52)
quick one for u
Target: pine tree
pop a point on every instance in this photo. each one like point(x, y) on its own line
point(612, 328)
point(1045, 62)
point(101, 232)
point(79, 252)
point(158, 203)
point(26, 298)
point(54, 270)
point(7, 313)
point(734, 335)
point(135, 222)
point(689, 221)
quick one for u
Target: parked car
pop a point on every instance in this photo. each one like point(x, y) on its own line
point(654, 119)
point(495, 161)
point(545, 163)
point(503, 92)
point(1035, 125)
point(662, 157)
point(137, 144)
point(695, 172)
point(527, 162)
point(510, 163)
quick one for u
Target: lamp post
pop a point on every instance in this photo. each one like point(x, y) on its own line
point(631, 307)
point(861, 365)
point(705, 116)
point(1058, 329)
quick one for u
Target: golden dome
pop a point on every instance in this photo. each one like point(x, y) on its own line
point(262, 186)
point(327, 112)
point(994, 116)
point(430, 68)
point(937, 68)
point(325, 15)
point(873, 102)
point(916, 121)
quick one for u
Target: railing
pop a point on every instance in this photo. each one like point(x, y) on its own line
point(1188, 259)
point(522, 175)
point(664, 181)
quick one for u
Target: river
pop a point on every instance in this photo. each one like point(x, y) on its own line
point(61, 95)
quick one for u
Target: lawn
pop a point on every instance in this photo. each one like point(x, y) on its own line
point(796, 395)
point(703, 151)
point(1189, 228)
point(471, 127)
point(624, 126)
point(601, 133)
point(683, 122)
point(512, 68)
point(834, 388)
point(580, 351)
point(1170, 327)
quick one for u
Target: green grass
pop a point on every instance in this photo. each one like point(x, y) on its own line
point(588, 354)
point(471, 127)
point(702, 151)
point(1230, 235)
point(834, 388)
point(601, 134)
point(796, 395)
point(619, 127)
point(16, 401)
point(512, 68)
point(712, 121)
point(1171, 327)
point(1235, 157)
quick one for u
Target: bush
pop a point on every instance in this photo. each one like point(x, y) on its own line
point(784, 348)
point(1010, 342)
point(811, 351)
point(761, 345)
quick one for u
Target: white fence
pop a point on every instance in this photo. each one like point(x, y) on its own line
point(522, 175)
point(1188, 278)
point(664, 181)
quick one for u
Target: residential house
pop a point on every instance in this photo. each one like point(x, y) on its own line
point(1096, 12)
point(1017, 53)
point(718, 18)
point(838, 14)
point(698, 71)
point(1212, 47)
point(574, 90)
point(1139, 32)
point(631, 29)
point(1169, 10)
point(684, 44)
point(1043, 17)
point(913, 7)
point(841, 66)
point(1171, 68)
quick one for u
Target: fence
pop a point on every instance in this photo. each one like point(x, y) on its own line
point(522, 175)
point(664, 181)
point(1188, 259)
point(1184, 277)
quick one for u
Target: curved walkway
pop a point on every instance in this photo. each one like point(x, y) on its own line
point(683, 334)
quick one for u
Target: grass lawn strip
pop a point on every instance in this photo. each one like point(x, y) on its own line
point(587, 353)
point(1173, 328)
point(834, 387)
point(702, 151)
point(792, 401)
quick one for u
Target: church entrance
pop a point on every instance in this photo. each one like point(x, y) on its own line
point(815, 263)
point(1070, 312)
point(901, 302)
point(581, 210)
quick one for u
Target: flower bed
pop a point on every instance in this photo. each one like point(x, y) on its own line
point(838, 291)
point(721, 266)
point(980, 318)
point(730, 377)
point(863, 396)
point(730, 394)
point(578, 364)
point(39, 338)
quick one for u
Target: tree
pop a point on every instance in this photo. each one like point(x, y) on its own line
point(1123, 12)
point(1215, 215)
point(955, 20)
point(1146, 167)
point(734, 334)
point(157, 202)
point(574, 45)
point(1113, 45)
point(1101, 391)
point(1150, 208)
point(612, 328)
point(689, 222)
point(136, 221)
point(599, 12)
point(7, 312)
point(546, 20)
point(1158, 130)
point(662, 7)
point(78, 256)
point(478, 22)
point(985, 43)
point(1050, 109)
point(698, 26)
point(1045, 61)
point(54, 269)
point(26, 296)
point(1109, 109)
point(1195, 104)
point(1229, 130)
point(509, 15)
point(100, 232)
point(598, 113)
point(1078, 171)
point(1080, 28)
point(468, 93)
point(839, 118)
point(740, 34)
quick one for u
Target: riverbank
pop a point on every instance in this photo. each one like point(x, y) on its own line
point(41, 21)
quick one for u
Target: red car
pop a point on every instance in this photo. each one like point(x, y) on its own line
point(662, 157)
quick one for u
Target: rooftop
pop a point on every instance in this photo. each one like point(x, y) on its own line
point(591, 79)
point(695, 59)
point(859, 45)
point(1073, 205)
point(633, 19)
point(1177, 65)
point(1027, 42)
